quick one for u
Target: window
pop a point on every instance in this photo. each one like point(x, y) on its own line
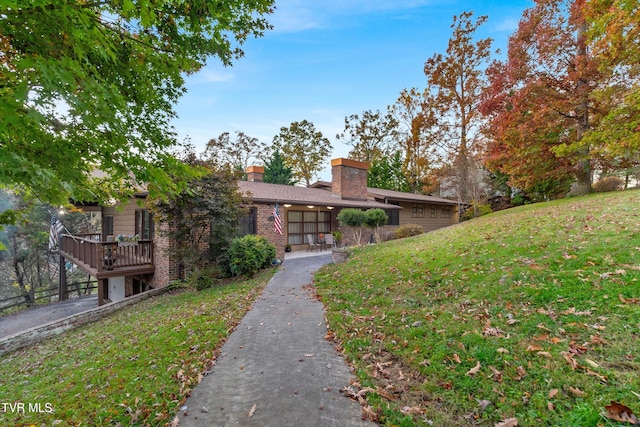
point(393, 217)
point(144, 225)
point(301, 223)
point(432, 212)
point(107, 226)
point(417, 211)
point(445, 212)
point(247, 223)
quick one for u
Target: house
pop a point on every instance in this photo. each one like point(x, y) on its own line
point(130, 256)
point(313, 210)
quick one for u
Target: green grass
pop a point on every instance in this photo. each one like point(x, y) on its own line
point(545, 297)
point(135, 367)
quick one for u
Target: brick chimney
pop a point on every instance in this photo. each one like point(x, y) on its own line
point(349, 179)
point(255, 173)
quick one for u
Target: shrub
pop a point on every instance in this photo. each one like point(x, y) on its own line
point(248, 254)
point(354, 218)
point(480, 210)
point(608, 183)
point(205, 278)
point(407, 231)
point(376, 218)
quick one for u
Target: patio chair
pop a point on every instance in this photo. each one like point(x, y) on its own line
point(328, 239)
point(311, 242)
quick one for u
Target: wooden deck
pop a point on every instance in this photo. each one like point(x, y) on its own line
point(103, 259)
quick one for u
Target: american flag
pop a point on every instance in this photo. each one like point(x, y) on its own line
point(277, 222)
point(54, 232)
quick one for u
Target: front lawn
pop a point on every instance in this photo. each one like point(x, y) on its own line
point(530, 314)
point(135, 367)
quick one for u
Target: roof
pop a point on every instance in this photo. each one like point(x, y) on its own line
point(261, 192)
point(379, 193)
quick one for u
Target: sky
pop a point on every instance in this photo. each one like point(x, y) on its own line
point(328, 59)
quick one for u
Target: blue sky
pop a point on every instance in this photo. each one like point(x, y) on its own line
point(327, 59)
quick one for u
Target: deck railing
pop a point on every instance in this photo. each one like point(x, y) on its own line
point(87, 250)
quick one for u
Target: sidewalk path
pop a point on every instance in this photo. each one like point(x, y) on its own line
point(42, 314)
point(278, 363)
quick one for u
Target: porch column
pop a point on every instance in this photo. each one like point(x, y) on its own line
point(62, 291)
point(103, 290)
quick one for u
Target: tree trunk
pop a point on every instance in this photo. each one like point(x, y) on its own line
point(583, 166)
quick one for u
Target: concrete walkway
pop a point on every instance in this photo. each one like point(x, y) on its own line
point(277, 369)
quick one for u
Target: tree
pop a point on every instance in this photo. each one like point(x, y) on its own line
point(237, 153)
point(614, 36)
point(304, 149)
point(354, 219)
point(276, 171)
point(387, 173)
point(417, 134)
point(376, 219)
point(541, 100)
point(31, 267)
point(203, 220)
point(91, 85)
point(370, 135)
point(455, 81)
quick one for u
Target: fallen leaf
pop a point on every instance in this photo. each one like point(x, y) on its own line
point(544, 354)
point(534, 347)
point(456, 358)
point(628, 300)
point(475, 369)
point(484, 403)
point(550, 407)
point(619, 412)
point(369, 413)
point(592, 363)
point(502, 350)
point(597, 375)
point(509, 422)
point(497, 375)
point(252, 411)
point(521, 372)
point(553, 393)
point(569, 358)
point(577, 392)
point(415, 410)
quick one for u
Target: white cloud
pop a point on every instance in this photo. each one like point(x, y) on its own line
point(211, 75)
point(302, 15)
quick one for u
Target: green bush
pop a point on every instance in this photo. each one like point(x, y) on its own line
point(609, 183)
point(352, 217)
point(481, 209)
point(375, 218)
point(205, 278)
point(407, 231)
point(248, 254)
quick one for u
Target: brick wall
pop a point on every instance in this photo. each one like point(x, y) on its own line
point(265, 227)
point(166, 265)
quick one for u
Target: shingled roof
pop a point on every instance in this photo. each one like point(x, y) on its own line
point(400, 196)
point(261, 192)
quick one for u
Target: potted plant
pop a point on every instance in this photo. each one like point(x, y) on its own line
point(287, 248)
point(337, 236)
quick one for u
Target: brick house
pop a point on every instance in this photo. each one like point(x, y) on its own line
point(143, 259)
point(313, 210)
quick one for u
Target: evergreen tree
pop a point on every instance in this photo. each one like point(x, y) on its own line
point(276, 171)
